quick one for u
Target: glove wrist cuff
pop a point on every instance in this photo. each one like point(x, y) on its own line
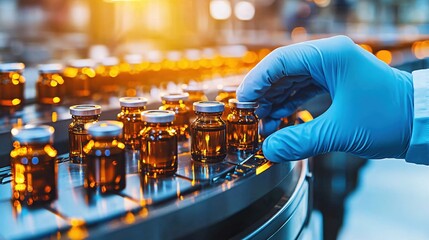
point(418, 151)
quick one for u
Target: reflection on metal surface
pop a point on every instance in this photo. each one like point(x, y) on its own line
point(263, 168)
point(132, 158)
point(148, 191)
point(197, 171)
point(27, 223)
point(75, 202)
point(239, 157)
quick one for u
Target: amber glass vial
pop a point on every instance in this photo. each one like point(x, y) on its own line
point(242, 126)
point(50, 85)
point(227, 92)
point(176, 102)
point(78, 136)
point(196, 94)
point(11, 84)
point(34, 168)
point(130, 116)
point(208, 132)
point(105, 170)
point(107, 75)
point(79, 75)
point(159, 144)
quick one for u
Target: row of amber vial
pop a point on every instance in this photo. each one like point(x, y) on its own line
point(101, 144)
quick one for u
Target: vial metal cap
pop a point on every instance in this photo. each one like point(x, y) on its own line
point(82, 63)
point(85, 110)
point(11, 67)
point(229, 88)
point(158, 116)
point(104, 128)
point(175, 97)
point(242, 105)
point(33, 134)
point(110, 61)
point(50, 68)
point(208, 106)
point(133, 101)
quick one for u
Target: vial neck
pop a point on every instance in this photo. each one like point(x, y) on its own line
point(243, 111)
point(156, 125)
point(213, 115)
point(86, 118)
point(168, 102)
point(133, 109)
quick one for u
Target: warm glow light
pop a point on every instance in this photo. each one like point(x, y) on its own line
point(420, 49)
point(366, 47)
point(299, 34)
point(16, 101)
point(54, 115)
point(220, 9)
point(244, 10)
point(322, 3)
point(385, 56)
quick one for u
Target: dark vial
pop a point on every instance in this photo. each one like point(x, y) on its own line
point(208, 132)
point(159, 144)
point(34, 168)
point(105, 172)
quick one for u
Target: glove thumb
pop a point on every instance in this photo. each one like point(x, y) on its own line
point(300, 141)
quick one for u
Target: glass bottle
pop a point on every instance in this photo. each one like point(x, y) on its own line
point(208, 132)
point(50, 84)
point(176, 102)
point(227, 92)
point(196, 94)
point(159, 144)
point(78, 76)
point(107, 75)
point(130, 116)
point(11, 84)
point(105, 171)
point(78, 136)
point(34, 168)
point(242, 126)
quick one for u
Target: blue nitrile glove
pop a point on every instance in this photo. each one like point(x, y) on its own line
point(372, 104)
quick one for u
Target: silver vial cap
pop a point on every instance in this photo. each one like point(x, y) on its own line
point(33, 134)
point(242, 105)
point(82, 63)
point(158, 116)
point(133, 101)
point(104, 128)
point(208, 106)
point(175, 97)
point(50, 68)
point(11, 67)
point(85, 110)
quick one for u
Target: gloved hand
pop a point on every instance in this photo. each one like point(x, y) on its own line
point(371, 114)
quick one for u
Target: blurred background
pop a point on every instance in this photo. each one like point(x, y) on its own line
point(389, 198)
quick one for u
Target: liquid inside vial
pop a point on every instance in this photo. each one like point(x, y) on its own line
point(130, 116)
point(159, 144)
point(34, 180)
point(106, 169)
point(78, 135)
point(209, 144)
point(11, 84)
point(106, 163)
point(77, 140)
point(33, 166)
point(208, 132)
point(242, 136)
point(242, 126)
